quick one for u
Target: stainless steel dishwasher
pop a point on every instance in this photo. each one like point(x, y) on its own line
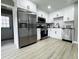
point(68, 34)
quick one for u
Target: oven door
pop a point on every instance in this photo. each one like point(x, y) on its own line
point(44, 33)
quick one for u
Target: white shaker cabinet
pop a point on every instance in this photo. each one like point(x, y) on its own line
point(55, 33)
point(31, 6)
point(38, 33)
point(42, 14)
point(69, 13)
point(26, 4)
point(21, 4)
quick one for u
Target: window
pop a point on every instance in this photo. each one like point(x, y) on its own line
point(5, 21)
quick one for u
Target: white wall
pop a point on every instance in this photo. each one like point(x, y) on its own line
point(67, 12)
point(15, 25)
point(76, 21)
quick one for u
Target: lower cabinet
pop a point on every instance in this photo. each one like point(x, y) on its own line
point(38, 33)
point(55, 33)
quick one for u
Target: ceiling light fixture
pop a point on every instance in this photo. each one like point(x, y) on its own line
point(49, 7)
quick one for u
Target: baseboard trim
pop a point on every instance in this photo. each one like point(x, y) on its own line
point(55, 38)
point(67, 40)
point(75, 42)
point(7, 39)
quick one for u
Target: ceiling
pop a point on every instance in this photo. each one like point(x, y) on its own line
point(55, 4)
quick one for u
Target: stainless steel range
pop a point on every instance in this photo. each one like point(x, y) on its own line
point(44, 33)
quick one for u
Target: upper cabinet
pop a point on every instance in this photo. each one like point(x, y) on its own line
point(31, 6)
point(26, 4)
point(49, 20)
point(8, 2)
point(67, 13)
point(42, 14)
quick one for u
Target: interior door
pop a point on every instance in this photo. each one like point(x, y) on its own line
point(7, 25)
point(23, 28)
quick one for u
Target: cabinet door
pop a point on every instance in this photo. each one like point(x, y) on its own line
point(55, 33)
point(21, 4)
point(59, 34)
point(25, 4)
point(69, 14)
point(48, 32)
point(38, 34)
point(52, 33)
point(31, 6)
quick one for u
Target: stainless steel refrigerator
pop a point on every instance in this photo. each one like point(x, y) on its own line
point(26, 28)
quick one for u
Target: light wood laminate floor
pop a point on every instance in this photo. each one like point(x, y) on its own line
point(44, 49)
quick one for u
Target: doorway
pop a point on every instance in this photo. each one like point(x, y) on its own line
point(7, 35)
